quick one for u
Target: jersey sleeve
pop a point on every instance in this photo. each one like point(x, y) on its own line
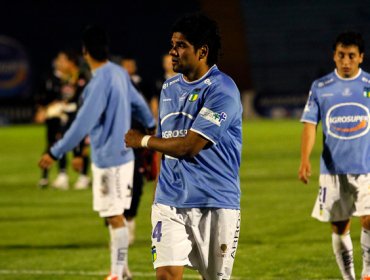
point(159, 127)
point(311, 112)
point(140, 109)
point(216, 115)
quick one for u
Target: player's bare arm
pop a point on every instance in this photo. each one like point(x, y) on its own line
point(188, 146)
point(308, 141)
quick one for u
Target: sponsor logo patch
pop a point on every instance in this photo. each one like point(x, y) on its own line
point(174, 133)
point(213, 117)
point(348, 121)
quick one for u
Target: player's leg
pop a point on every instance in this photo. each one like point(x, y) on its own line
point(171, 243)
point(118, 245)
point(365, 245)
point(62, 181)
point(83, 180)
point(335, 204)
point(217, 236)
point(52, 126)
point(44, 181)
point(85, 168)
point(170, 273)
point(137, 191)
point(112, 194)
point(360, 183)
point(62, 164)
point(343, 248)
point(81, 152)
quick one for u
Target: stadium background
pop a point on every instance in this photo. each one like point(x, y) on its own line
point(273, 49)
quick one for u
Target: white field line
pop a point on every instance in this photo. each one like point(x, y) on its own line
point(78, 272)
point(102, 273)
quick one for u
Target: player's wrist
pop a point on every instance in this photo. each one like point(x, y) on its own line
point(51, 155)
point(145, 140)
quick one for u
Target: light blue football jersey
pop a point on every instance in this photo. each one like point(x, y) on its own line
point(109, 100)
point(342, 105)
point(210, 107)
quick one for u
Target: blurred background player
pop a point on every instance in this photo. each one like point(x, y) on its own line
point(58, 107)
point(341, 100)
point(108, 102)
point(167, 73)
point(146, 165)
point(71, 91)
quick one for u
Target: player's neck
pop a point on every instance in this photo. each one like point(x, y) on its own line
point(197, 73)
point(95, 64)
point(344, 76)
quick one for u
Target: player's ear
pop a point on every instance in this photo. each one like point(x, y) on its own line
point(203, 51)
point(361, 58)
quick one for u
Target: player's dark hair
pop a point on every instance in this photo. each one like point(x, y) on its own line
point(72, 55)
point(349, 38)
point(96, 42)
point(200, 30)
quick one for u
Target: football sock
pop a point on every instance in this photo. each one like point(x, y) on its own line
point(131, 225)
point(343, 250)
point(85, 168)
point(45, 173)
point(63, 163)
point(119, 246)
point(365, 245)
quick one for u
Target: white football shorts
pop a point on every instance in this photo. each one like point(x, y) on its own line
point(112, 189)
point(204, 239)
point(342, 196)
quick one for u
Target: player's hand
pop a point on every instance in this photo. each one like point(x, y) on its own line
point(40, 115)
point(46, 161)
point(77, 163)
point(304, 172)
point(133, 139)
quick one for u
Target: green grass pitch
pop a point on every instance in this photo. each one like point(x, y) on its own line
point(51, 234)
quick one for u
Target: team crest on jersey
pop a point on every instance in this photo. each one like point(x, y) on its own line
point(194, 95)
point(366, 92)
point(213, 117)
point(347, 92)
point(348, 120)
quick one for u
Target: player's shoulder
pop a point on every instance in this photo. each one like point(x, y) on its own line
point(112, 69)
point(324, 81)
point(365, 77)
point(171, 81)
point(221, 82)
point(112, 72)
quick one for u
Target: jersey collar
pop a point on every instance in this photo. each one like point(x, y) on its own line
point(348, 79)
point(201, 78)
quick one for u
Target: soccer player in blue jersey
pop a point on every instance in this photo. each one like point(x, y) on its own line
point(196, 210)
point(109, 99)
point(341, 101)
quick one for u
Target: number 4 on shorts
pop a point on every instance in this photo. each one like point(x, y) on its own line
point(157, 231)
